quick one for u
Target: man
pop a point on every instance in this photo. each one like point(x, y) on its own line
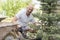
point(23, 17)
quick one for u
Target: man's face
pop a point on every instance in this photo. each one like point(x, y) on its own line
point(29, 10)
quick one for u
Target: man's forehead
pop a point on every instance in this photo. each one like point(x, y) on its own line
point(30, 6)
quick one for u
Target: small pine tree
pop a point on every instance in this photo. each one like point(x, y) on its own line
point(49, 27)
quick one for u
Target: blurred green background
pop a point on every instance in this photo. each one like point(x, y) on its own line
point(11, 7)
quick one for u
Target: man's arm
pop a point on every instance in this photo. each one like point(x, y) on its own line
point(17, 16)
point(34, 22)
point(14, 19)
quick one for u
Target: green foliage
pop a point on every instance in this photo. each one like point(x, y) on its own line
point(13, 6)
point(48, 1)
point(49, 20)
point(49, 5)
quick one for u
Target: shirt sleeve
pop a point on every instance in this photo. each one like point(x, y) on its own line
point(18, 15)
point(32, 19)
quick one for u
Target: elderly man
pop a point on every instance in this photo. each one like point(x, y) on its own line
point(23, 17)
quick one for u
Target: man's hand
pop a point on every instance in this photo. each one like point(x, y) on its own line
point(36, 24)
